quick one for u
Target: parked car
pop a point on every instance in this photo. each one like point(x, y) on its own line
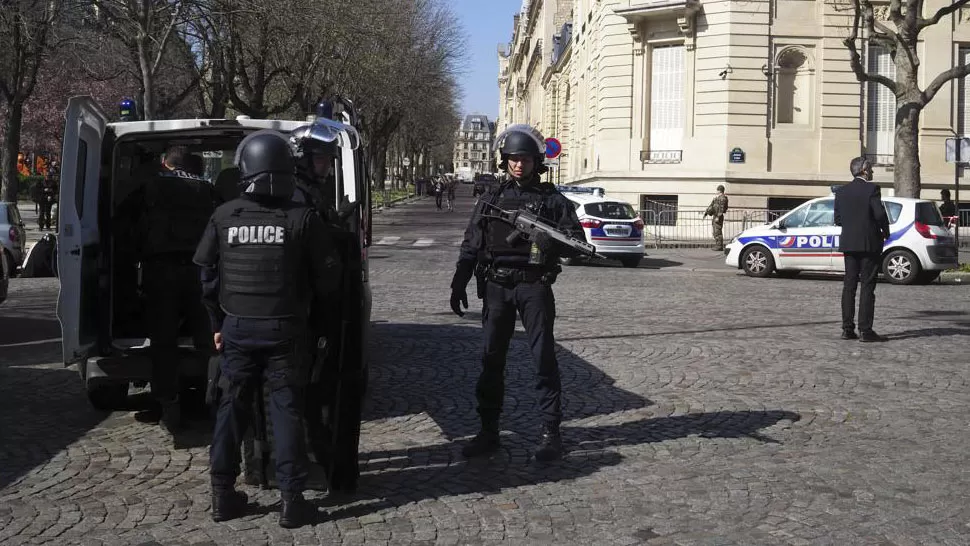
point(611, 225)
point(807, 239)
point(13, 237)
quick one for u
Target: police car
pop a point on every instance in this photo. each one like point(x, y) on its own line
point(101, 304)
point(807, 239)
point(611, 225)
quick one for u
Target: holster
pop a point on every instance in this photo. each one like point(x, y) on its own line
point(481, 277)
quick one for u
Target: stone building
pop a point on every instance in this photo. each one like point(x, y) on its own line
point(659, 101)
point(473, 145)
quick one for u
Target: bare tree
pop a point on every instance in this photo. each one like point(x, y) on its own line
point(25, 32)
point(900, 36)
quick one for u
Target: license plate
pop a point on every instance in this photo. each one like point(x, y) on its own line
point(617, 231)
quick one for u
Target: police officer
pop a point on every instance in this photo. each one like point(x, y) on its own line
point(171, 210)
point(263, 256)
point(518, 278)
point(316, 149)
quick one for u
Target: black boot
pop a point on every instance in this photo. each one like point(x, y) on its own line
point(296, 511)
point(171, 419)
point(550, 444)
point(228, 504)
point(487, 440)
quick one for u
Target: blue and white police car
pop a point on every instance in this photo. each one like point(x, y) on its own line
point(611, 225)
point(807, 239)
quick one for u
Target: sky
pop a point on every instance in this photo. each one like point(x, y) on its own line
point(486, 23)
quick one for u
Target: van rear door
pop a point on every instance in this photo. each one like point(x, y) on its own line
point(78, 237)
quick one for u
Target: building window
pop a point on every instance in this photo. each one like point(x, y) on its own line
point(666, 104)
point(658, 210)
point(880, 109)
point(465, 155)
point(793, 87)
point(963, 97)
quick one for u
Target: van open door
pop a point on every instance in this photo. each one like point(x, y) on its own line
point(78, 239)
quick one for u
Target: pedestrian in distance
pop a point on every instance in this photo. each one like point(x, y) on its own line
point(439, 189)
point(451, 195)
point(518, 277)
point(716, 210)
point(263, 258)
point(948, 209)
point(865, 228)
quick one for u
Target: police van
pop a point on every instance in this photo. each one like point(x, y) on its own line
point(807, 239)
point(101, 306)
point(611, 225)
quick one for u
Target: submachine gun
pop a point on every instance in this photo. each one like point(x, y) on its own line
point(526, 225)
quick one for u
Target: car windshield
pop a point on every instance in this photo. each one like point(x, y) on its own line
point(611, 210)
point(927, 213)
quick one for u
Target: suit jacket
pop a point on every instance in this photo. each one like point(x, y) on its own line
point(859, 210)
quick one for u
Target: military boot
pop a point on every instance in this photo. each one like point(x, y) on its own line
point(550, 444)
point(485, 442)
point(228, 504)
point(296, 511)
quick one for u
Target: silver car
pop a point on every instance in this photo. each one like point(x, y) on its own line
point(13, 237)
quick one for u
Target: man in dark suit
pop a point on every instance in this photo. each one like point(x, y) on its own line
point(865, 227)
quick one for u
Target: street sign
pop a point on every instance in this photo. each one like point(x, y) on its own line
point(406, 162)
point(553, 148)
point(951, 150)
point(554, 162)
point(736, 156)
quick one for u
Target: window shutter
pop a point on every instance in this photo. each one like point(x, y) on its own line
point(881, 105)
point(667, 98)
point(963, 100)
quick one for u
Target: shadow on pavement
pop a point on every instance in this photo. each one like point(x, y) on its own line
point(413, 378)
point(646, 263)
point(20, 329)
point(42, 411)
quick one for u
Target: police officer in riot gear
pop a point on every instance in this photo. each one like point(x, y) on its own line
point(171, 210)
point(518, 278)
point(316, 148)
point(263, 257)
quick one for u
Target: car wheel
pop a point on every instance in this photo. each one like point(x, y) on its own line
point(106, 394)
point(757, 261)
point(928, 277)
point(901, 267)
point(787, 273)
point(633, 261)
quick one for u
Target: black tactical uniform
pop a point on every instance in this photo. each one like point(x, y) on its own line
point(518, 278)
point(263, 258)
point(172, 209)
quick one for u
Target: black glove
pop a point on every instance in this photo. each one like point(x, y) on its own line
point(346, 208)
point(458, 296)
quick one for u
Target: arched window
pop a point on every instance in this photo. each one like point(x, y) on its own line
point(793, 87)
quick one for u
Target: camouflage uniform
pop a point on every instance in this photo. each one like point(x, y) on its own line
point(716, 210)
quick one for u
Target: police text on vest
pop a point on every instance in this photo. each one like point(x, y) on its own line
point(256, 235)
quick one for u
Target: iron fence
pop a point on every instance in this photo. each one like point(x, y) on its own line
point(670, 227)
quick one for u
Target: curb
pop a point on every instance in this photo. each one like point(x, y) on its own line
point(954, 277)
point(392, 202)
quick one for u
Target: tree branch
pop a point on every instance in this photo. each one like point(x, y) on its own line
point(934, 87)
point(855, 59)
point(922, 23)
point(165, 37)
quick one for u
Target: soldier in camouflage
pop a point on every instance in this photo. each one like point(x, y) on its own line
point(716, 210)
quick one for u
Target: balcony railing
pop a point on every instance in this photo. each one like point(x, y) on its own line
point(881, 160)
point(661, 156)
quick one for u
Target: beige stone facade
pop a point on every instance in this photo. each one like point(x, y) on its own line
point(652, 99)
point(473, 145)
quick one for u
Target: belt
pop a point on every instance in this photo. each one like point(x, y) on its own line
point(170, 259)
point(507, 275)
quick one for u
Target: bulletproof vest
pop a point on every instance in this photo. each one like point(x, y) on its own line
point(496, 230)
point(178, 207)
point(261, 268)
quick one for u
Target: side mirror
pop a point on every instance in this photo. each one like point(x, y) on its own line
point(780, 224)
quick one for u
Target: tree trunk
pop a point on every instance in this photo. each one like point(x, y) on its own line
point(147, 79)
point(11, 147)
point(906, 168)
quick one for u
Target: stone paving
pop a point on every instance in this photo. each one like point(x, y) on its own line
point(702, 407)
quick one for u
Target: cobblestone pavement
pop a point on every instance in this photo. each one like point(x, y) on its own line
point(702, 407)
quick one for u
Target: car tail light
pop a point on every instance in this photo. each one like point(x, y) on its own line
point(13, 235)
point(924, 230)
point(638, 224)
point(590, 223)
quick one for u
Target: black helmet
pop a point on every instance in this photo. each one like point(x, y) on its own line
point(522, 139)
point(266, 164)
point(314, 139)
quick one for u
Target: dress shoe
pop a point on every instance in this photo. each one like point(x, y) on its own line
point(296, 511)
point(550, 444)
point(228, 504)
point(872, 337)
point(849, 334)
point(485, 442)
